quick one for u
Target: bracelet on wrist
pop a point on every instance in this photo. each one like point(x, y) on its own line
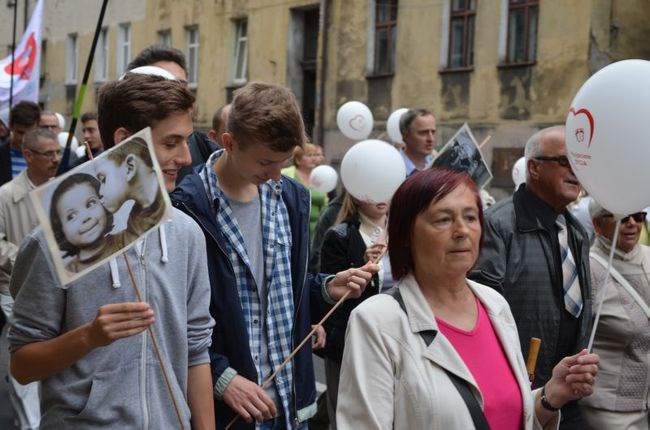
point(545, 404)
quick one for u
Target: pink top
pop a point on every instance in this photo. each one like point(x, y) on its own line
point(483, 355)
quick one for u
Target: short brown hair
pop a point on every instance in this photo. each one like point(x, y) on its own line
point(266, 114)
point(88, 116)
point(138, 101)
point(409, 116)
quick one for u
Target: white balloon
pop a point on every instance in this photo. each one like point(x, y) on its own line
point(323, 178)
point(392, 125)
point(519, 172)
point(607, 131)
point(63, 139)
point(372, 171)
point(354, 120)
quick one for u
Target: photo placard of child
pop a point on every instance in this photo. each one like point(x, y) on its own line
point(102, 207)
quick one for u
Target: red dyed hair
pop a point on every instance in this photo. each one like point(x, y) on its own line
point(411, 199)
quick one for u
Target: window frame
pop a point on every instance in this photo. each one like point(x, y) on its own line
point(192, 44)
point(240, 79)
point(165, 37)
point(72, 59)
point(101, 57)
point(468, 16)
point(512, 6)
point(123, 48)
point(388, 26)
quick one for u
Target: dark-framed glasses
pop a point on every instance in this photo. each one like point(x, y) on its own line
point(638, 217)
point(50, 155)
point(562, 160)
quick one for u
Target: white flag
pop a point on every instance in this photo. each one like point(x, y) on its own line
point(27, 64)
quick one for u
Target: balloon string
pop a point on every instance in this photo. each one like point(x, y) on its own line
point(605, 284)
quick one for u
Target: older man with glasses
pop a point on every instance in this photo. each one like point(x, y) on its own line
point(536, 254)
point(17, 218)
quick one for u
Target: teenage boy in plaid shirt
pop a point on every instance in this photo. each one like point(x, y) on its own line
point(256, 223)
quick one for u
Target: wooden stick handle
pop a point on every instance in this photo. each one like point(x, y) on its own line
point(302, 343)
point(533, 352)
point(485, 141)
point(154, 341)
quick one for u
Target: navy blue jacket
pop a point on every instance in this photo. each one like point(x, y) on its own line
point(230, 346)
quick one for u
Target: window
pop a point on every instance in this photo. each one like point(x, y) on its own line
point(101, 57)
point(71, 59)
point(461, 34)
point(240, 62)
point(521, 46)
point(385, 37)
point(123, 47)
point(165, 37)
point(192, 39)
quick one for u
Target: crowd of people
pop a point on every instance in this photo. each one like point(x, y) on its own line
point(442, 297)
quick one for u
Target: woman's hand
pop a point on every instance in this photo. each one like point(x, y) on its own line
point(573, 378)
point(373, 252)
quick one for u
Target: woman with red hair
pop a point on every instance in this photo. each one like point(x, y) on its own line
point(441, 351)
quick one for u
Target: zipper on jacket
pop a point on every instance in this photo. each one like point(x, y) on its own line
point(293, 335)
point(145, 337)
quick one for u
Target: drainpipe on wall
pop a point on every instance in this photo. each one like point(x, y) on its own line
point(324, 27)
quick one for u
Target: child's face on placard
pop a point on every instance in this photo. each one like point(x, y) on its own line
point(83, 218)
point(113, 184)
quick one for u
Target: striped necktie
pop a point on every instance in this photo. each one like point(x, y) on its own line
point(571, 285)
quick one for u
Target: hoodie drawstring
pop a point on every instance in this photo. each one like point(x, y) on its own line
point(163, 244)
point(115, 273)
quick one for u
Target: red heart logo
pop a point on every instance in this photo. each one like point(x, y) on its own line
point(357, 123)
point(580, 132)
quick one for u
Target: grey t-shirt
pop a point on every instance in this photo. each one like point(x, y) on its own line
point(249, 219)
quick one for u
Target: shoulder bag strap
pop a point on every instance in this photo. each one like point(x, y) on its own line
point(461, 385)
point(624, 283)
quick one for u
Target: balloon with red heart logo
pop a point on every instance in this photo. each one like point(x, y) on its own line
point(608, 136)
point(354, 120)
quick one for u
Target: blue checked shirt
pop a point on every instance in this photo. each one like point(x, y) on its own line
point(276, 236)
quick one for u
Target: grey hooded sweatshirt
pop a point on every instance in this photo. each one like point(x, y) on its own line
point(119, 385)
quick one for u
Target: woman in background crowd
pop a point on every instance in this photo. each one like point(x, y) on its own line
point(304, 161)
point(357, 237)
point(622, 392)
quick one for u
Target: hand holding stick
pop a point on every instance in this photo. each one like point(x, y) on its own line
point(270, 379)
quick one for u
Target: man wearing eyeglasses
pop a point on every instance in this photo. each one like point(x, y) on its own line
point(17, 218)
point(536, 254)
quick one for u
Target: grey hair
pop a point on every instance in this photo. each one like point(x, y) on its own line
point(534, 144)
point(30, 141)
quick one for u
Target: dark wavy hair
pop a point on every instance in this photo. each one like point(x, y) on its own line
point(55, 221)
point(411, 199)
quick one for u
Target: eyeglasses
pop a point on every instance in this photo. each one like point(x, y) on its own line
point(638, 217)
point(48, 127)
point(50, 155)
point(562, 160)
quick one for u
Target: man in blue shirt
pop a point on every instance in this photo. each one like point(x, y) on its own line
point(418, 128)
point(23, 117)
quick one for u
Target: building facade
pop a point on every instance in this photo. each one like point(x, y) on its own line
point(506, 67)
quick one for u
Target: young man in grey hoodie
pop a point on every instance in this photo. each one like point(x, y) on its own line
point(68, 338)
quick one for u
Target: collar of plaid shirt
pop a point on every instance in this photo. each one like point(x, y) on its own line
point(276, 236)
